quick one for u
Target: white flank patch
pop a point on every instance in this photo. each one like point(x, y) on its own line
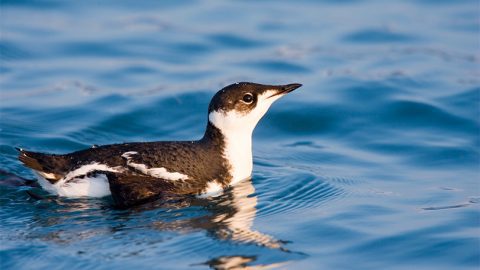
point(47, 186)
point(97, 186)
point(237, 129)
point(71, 186)
point(213, 189)
point(161, 172)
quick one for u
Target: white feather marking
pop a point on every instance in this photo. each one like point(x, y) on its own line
point(128, 155)
point(47, 175)
point(164, 174)
point(86, 169)
point(71, 185)
point(155, 172)
point(158, 172)
point(237, 129)
point(213, 189)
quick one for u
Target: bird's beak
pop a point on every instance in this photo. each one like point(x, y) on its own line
point(285, 89)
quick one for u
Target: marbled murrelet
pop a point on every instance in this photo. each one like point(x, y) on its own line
point(135, 172)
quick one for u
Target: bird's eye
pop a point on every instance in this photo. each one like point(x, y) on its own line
point(247, 98)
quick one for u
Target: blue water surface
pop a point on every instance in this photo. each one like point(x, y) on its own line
point(372, 164)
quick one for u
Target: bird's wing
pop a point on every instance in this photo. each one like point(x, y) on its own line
point(131, 188)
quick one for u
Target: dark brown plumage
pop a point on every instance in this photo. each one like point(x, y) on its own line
point(137, 172)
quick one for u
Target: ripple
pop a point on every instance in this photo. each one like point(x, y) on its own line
point(445, 207)
point(319, 118)
point(190, 48)
point(472, 201)
point(370, 93)
point(234, 41)
point(10, 51)
point(298, 192)
point(420, 114)
point(33, 3)
point(308, 144)
point(466, 102)
point(93, 49)
point(378, 36)
point(430, 154)
point(278, 66)
point(421, 245)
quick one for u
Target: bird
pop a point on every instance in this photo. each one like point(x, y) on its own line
point(135, 172)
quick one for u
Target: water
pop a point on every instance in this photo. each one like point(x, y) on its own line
point(372, 164)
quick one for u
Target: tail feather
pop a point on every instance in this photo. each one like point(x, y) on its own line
point(30, 161)
point(48, 166)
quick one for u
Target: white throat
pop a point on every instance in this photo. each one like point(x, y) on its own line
point(237, 128)
point(238, 146)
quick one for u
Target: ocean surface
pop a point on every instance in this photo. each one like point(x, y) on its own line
point(373, 164)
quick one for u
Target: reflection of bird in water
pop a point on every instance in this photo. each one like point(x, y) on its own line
point(8, 179)
point(230, 262)
point(230, 217)
point(239, 262)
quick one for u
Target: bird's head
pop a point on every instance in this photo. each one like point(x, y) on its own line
point(240, 106)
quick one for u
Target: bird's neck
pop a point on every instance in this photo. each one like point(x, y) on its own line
point(236, 148)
